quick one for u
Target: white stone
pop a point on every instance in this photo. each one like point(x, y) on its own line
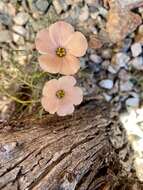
point(107, 97)
point(16, 37)
point(139, 168)
point(112, 70)
point(132, 102)
point(84, 14)
point(126, 86)
point(19, 30)
point(137, 63)
point(42, 5)
point(5, 36)
point(21, 18)
point(95, 58)
point(107, 84)
point(122, 59)
point(136, 49)
point(60, 5)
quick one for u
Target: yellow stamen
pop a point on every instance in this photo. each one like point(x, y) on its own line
point(60, 94)
point(61, 52)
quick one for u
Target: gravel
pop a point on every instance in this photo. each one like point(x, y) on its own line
point(21, 18)
point(136, 49)
point(107, 84)
point(5, 36)
point(42, 5)
point(137, 63)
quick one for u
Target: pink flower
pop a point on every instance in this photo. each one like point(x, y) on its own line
point(60, 46)
point(61, 95)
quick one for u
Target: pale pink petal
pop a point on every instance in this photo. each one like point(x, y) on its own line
point(76, 95)
point(70, 65)
point(60, 32)
point(44, 43)
point(67, 81)
point(51, 105)
point(77, 44)
point(65, 109)
point(50, 63)
point(50, 88)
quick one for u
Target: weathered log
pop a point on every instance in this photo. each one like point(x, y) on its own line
point(60, 153)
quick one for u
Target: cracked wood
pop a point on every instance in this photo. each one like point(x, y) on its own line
point(67, 153)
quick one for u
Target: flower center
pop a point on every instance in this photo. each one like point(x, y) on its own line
point(61, 52)
point(60, 94)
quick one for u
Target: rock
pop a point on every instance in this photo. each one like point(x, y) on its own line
point(106, 53)
point(60, 5)
point(83, 64)
point(126, 86)
point(7, 8)
point(107, 84)
point(139, 169)
point(107, 97)
point(7, 11)
point(136, 49)
point(42, 5)
point(121, 59)
point(93, 3)
point(19, 30)
point(139, 38)
point(84, 14)
point(123, 75)
point(5, 19)
point(103, 11)
point(21, 18)
point(95, 58)
point(128, 4)
point(94, 15)
point(5, 36)
point(132, 102)
point(137, 63)
point(126, 44)
point(94, 42)
point(105, 64)
point(112, 70)
point(96, 68)
point(120, 23)
point(16, 37)
point(140, 30)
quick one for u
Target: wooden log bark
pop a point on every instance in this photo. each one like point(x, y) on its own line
point(60, 153)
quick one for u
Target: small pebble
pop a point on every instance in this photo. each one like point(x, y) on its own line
point(5, 36)
point(136, 49)
point(84, 14)
point(106, 53)
point(107, 97)
point(126, 86)
point(132, 102)
point(95, 58)
point(122, 59)
point(107, 84)
point(19, 30)
point(139, 168)
point(126, 44)
point(5, 19)
point(21, 18)
point(112, 69)
point(60, 5)
point(123, 75)
point(42, 5)
point(94, 42)
point(137, 63)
